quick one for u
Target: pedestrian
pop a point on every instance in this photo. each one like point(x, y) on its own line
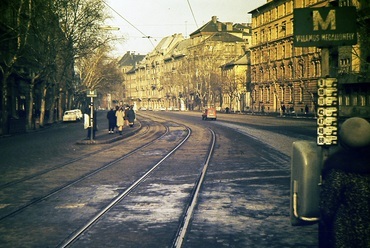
point(111, 116)
point(283, 108)
point(345, 191)
point(120, 122)
point(131, 116)
point(306, 109)
point(127, 108)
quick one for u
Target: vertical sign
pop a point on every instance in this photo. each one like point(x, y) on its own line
point(327, 121)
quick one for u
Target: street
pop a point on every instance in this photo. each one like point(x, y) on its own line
point(244, 201)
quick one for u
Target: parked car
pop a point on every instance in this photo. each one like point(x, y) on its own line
point(70, 115)
point(209, 114)
point(78, 113)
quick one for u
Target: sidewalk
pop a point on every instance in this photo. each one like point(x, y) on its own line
point(103, 137)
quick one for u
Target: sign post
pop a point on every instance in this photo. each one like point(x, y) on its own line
point(326, 28)
point(92, 94)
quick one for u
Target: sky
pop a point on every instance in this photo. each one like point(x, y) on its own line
point(160, 18)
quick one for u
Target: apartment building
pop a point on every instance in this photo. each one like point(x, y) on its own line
point(186, 73)
point(284, 77)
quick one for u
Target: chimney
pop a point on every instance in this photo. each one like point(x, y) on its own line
point(229, 26)
point(219, 27)
point(214, 19)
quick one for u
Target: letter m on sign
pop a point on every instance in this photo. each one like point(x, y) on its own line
point(318, 21)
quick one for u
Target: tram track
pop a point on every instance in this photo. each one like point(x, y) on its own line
point(169, 137)
point(120, 197)
point(65, 163)
point(188, 208)
point(151, 139)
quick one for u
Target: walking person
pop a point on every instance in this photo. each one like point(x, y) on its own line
point(112, 120)
point(131, 116)
point(120, 122)
point(345, 191)
point(127, 108)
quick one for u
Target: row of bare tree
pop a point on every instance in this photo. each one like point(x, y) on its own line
point(51, 52)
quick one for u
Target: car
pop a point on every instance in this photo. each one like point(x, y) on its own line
point(78, 113)
point(162, 108)
point(70, 115)
point(209, 114)
point(143, 108)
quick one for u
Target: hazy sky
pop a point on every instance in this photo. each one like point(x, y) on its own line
point(161, 18)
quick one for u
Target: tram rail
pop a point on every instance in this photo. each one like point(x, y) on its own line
point(89, 174)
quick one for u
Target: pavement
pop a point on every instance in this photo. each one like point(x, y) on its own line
point(104, 137)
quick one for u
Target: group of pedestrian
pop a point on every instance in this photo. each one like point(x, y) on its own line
point(120, 117)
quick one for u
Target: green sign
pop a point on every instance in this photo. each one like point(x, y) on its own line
point(325, 27)
point(92, 93)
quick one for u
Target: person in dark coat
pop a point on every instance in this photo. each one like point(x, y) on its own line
point(345, 192)
point(111, 116)
point(131, 116)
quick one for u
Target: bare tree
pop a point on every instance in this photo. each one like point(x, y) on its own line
point(15, 20)
point(98, 71)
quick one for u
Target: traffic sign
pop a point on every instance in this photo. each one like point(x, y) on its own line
point(327, 122)
point(92, 93)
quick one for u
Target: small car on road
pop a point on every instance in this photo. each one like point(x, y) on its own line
point(70, 115)
point(209, 114)
point(78, 113)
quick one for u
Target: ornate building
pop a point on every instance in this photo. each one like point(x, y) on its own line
point(186, 73)
point(286, 76)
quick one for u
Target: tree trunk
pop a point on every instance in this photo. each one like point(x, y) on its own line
point(30, 106)
point(42, 107)
point(4, 129)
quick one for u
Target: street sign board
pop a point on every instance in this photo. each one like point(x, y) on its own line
point(325, 27)
point(92, 93)
point(327, 113)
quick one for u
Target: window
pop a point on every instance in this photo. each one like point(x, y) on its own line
point(290, 88)
point(269, 38)
point(300, 93)
point(283, 28)
point(276, 31)
point(261, 94)
point(282, 93)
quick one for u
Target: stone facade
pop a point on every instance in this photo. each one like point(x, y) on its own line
point(186, 73)
point(284, 75)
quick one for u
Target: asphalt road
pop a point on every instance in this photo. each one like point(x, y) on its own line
point(245, 198)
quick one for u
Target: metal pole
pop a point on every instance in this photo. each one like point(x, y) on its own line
point(91, 118)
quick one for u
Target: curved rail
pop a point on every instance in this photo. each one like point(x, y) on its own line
point(180, 236)
point(119, 198)
point(83, 177)
point(43, 172)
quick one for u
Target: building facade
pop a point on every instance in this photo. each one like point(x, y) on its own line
point(186, 73)
point(284, 78)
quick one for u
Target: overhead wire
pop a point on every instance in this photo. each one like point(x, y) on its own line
point(132, 25)
point(192, 13)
